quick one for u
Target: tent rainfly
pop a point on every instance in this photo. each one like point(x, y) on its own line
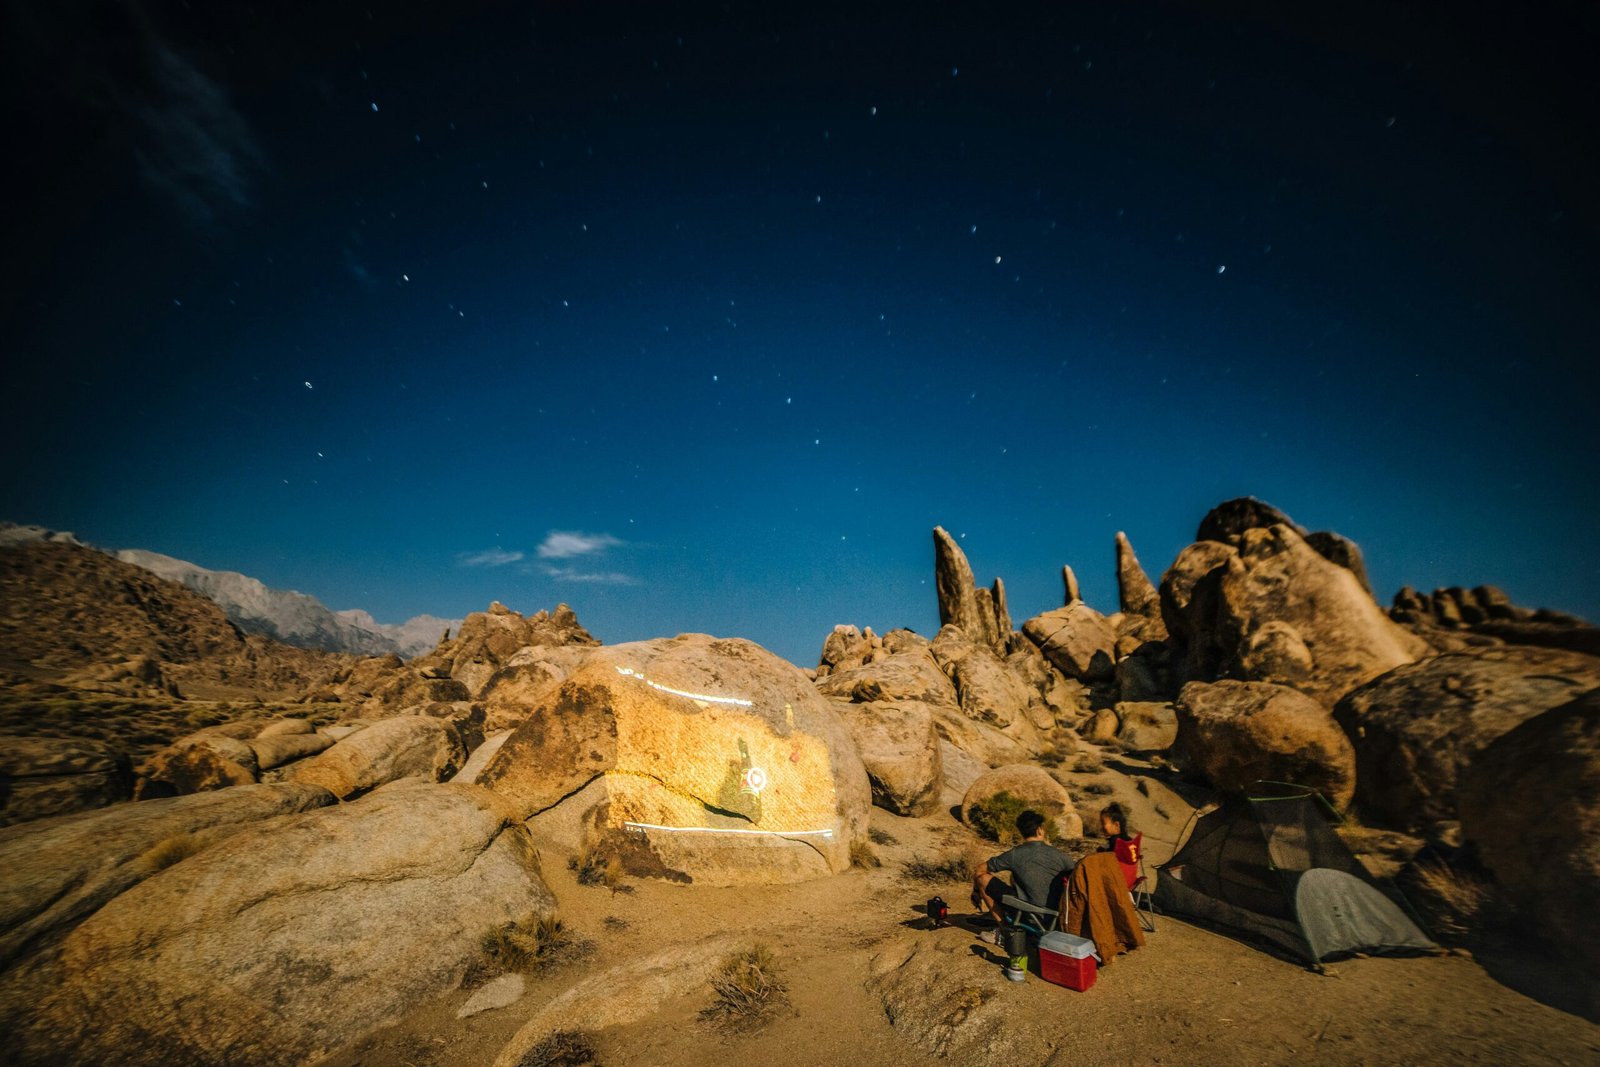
point(1272, 869)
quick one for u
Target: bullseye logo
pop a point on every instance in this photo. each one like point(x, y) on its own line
point(755, 780)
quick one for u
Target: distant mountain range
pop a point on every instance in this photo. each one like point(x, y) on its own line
point(284, 615)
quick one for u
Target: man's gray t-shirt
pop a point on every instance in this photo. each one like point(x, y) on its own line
point(1036, 870)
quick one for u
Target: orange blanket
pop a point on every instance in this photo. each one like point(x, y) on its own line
point(1099, 908)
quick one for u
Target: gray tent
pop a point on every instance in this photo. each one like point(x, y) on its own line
point(1270, 868)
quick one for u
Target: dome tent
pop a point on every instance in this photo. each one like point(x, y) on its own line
point(1269, 867)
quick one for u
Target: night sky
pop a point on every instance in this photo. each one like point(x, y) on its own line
point(700, 318)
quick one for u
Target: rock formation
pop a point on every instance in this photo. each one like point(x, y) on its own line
point(405, 746)
point(848, 647)
point(1229, 521)
point(1076, 640)
point(1456, 618)
point(1135, 591)
point(1417, 727)
point(287, 939)
point(987, 690)
point(42, 776)
point(1146, 726)
point(691, 734)
point(899, 746)
point(980, 613)
point(60, 870)
point(1273, 610)
point(1069, 587)
point(76, 615)
point(1530, 802)
point(1237, 733)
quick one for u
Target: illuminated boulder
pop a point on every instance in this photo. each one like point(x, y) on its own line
point(693, 759)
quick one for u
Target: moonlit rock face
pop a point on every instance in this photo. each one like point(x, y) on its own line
point(694, 758)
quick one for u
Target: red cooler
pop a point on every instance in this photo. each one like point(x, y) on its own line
point(1067, 960)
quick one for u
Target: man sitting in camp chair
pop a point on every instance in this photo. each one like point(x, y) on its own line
point(1035, 867)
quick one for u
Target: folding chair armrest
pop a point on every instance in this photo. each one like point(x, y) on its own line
point(1022, 905)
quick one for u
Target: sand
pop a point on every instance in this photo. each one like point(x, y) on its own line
point(1190, 996)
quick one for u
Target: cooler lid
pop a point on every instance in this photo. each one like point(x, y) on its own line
point(1063, 944)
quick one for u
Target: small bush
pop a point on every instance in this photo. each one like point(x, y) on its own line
point(748, 989)
point(564, 1048)
point(170, 850)
point(594, 867)
point(881, 837)
point(616, 922)
point(951, 868)
point(1455, 901)
point(862, 855)
point(1098, 789)
point(1050, 756)
point(531, 942)
point(1087, 763)
point(996, 818)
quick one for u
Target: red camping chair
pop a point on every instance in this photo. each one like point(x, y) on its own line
point(1130, 854)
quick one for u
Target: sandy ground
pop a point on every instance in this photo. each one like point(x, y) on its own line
point(1190, 996)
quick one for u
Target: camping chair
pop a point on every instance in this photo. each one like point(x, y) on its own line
point(1130, 854)
point(1031, 917)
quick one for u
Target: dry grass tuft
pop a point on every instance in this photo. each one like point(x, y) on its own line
point(532, 942)
point(1456, 902)
point(881, 837)
point(1087, 763)
point(748, 989)
point(1098, 789)
point(952, 867)
point(170, 850)
point(564, 1048)
point(594, 867)
point(863, 856)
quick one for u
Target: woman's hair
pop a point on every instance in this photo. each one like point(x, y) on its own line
point(1116, 814)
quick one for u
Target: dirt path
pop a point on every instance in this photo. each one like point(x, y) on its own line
point(1190, 997)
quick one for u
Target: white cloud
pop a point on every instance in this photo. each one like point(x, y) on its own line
point(489, 557)
point(570, 544)
point(568, 574)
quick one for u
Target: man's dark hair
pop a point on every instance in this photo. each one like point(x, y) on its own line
point(1028, 823)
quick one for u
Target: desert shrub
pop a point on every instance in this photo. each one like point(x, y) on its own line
point(864, 856)
point(1098, 789)
point(1454, 900)
point(881, 837)
point(616, 922)
point(1087, 763)
point(952, 867)
point(748, 988)
point(531, 942)
point(1050, 756)
point(170, 850)
point(996, 818)
point(594, 867)
point(564, 1048)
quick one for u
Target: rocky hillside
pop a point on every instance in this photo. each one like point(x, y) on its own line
point(284, 615)
point(80, 618)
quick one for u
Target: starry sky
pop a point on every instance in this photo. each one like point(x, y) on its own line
point(699, 317)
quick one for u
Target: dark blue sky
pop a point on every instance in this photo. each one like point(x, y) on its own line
point(366, 305)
